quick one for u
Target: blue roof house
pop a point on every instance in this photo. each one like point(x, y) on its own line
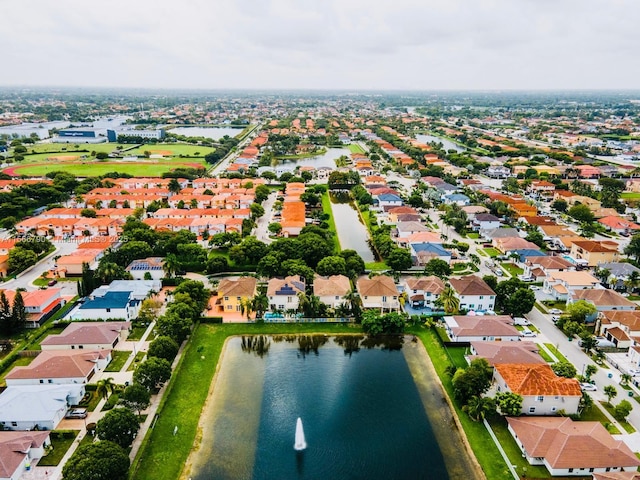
point(112, 305)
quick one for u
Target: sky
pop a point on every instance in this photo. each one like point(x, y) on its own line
point(322, 44)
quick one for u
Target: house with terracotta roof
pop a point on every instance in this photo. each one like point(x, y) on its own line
point(378, 292)
point(331, 290)
point(617, 224)
point(558, 284)
point(283, 292)
point(602, 299)
point(568, 448)
point(88, 336)
point(496, 352)
point(538, 267)
point(19, 451)
point(473, 293)
point(60, 367)
point(619, 475)
point(232, 292)
point(293, 218)
point(470, 328)
point(594, 252)
point(423, 291)
point(71, 265)
point(542, 391)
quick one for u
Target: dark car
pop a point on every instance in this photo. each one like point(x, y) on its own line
point(52, 283)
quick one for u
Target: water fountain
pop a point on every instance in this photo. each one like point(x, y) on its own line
point(300, 443)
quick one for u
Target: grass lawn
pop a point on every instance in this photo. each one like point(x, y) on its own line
point(326, 208)
point(541, 307)
point(118, 358)
point(60, 443)
point(175, 149)
point(550, 305)
point(545, 355)
point(136, 361)
point(474, 235)
point(91, 169)
point(457, 355)
point(490, 252)
point(633, 298)
point(513, 269)
point(626, 425)
point(355, 148)
point(556, 352)
point(163, 455)
point(376, 266)
point(481, 443)
point(93, 401)
point(19, 362)
point(136, 332)
point(630, 195)
point(35, 344)
point(499, 427)
point(594, 414)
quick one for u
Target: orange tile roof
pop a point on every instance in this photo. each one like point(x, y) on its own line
point(527, 380)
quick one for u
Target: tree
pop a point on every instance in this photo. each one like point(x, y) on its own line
point(560, 205)
point(491, 280)
point(399, 259)
point(174, 186)
point(119, 425)
point(309, 305)
point(479, 407)
point(275, 228)
point(103, 460)
point(580, 310)
point(6, 322)
point(376, 324)
point(18, 313)
point(581, 213)
point(354, 263)
point(633, 249)
point(332, 265)
point(509, 403)
point(104, 387)
point(587, 341)
point(152, 373)
point(450, 302)
point(262, 191)
point(622, 410)
point(149, 310)
point(505, 290)
point(20, 259)
point(170, 265)
point(257, 210)
point(521, 302)
point(472, 381)
point(163, 347)
point(610, 392)
point(136, 397)
point(564, 369)
point(437, 267)
point(590, 370)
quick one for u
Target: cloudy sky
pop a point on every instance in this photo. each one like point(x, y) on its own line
point(317, 44)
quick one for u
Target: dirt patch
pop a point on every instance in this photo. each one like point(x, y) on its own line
point(161, 152)
point(64, 158)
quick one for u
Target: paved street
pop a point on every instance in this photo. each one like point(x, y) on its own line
point(261, 231)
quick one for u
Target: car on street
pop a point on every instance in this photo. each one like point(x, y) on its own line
point(588, 387)
point(555, 311)
point(555, 318)
point(634, 372)
point(534, 288)
point(76, 413)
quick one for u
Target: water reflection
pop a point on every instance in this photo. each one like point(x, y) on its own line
point(256, 344)
point(389, 343)
point(350, 343)
point(310, 344)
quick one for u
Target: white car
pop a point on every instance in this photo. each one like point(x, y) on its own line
point(528, 333)
point(634, 372)
point(534, 288)
point(588, 387)
point(555, 311)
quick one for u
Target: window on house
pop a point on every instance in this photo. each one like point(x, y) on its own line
point(570, 470)
point(481, 297)
point(81, 347)
point(108, 310)
point(540, 398)
point(41, 381)
point(14, 424)
point(226, 299)
point(384, 299)
point(49, 381)
point(337, 297)
point(229, 307)
point(238, 298)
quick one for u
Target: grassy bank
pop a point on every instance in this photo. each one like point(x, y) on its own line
point(326, 208)
point(164, 454)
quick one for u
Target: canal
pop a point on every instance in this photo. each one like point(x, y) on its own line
point(352, 233)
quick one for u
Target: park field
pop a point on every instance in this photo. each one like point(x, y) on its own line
point(355, 148)
point(151, 168)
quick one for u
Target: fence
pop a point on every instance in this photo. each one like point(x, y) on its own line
point(308, 320)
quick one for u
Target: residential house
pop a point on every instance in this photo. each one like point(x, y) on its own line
point(394, 212)
point(496, 352)
point(283, 293)
point(71, 265)
point(234, 292)
point(37, 407)
point(542, 391)
point(423, 253)
point(378, 292)
point(389, 200)
point(423, 237)
point(558, 284)
point(153, 266)
point(459, 199)
point(539, 267)
point(471, 328)
point(423, 291)
point(498, 171)
point(620, 327)
point(621, 271)
point(510, 244)
point(569, 448)
point(139, 289)
point(602, 299)
point(496, 233)
point(60, 367)
point(473, 293)
point(38, 304)
point(112, 305)
point(595, 252)
point(293, 218)
point(405, 229)
point(331, 290)
point(88, 336)
point(19, 451)
point(485, 221)
point(524, 253)
point(619, 225)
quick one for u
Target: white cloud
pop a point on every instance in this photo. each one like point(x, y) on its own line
point(417, 44)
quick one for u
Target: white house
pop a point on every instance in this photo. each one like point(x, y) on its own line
point(568, 448)
point(19, 451)
point(472, 328)
point(423, 291)
point(542, 391)
point(283, 292)
point(473, 293)
point(112, 305)
point(558, 284)
point(331, 290)
point(486, 221)
point(25, 407)
point(151, 266)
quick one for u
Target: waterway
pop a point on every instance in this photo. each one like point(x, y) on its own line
point(352, 233)
point(214, 133)
point(447, 144)
point(327, 159)
point(361, 402)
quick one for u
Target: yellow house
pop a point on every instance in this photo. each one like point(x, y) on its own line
point(231, 293)
point(546, 169)
point(595, 252)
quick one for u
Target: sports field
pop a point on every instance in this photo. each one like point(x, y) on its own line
point(96, 168)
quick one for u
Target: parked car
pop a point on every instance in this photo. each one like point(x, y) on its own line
point(76, 413)
point(528, 333)
point(634, 372)
point(588, 387)
point(52, 282)
point(535, 288)
point(555, 318)
point(555, 311)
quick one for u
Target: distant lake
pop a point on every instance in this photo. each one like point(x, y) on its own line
point(214, 133)
point(327, 159)
point(447, 144)
point(370, 410)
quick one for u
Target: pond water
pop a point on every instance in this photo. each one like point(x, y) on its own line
point(370, 409)
point(214, 133)
point(352, 233)
point(447, 144)
point(327, 159)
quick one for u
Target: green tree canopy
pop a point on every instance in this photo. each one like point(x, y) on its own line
point(101, 460)
point(119, 426)
point(152, 373)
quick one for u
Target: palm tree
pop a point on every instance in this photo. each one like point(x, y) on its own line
point(174, 186)
point(309, 305)
point(170, 265)
point(352, 298)
point(625, 378)
point(402, 300)
point(479, 407)
point(105, 387)
point(603, 274)
point(260, 304)
point(632, 282)
point(246, 306)
point(450, 302)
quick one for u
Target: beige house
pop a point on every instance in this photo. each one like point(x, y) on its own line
point(423, 291)
point(88, 336)
point(331, 290)
point(378, 292)
point(558, 284)
point(283, 292)
point(595, 253)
